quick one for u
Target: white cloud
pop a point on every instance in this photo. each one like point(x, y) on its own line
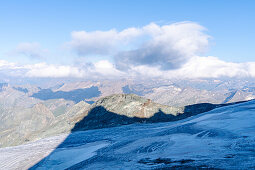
point(213, 67)
point(99, 69)
point(167, 46)
point(196, 67)
point(31, 50)
point(54, 71)
point(6, 65)
point(200, 67)
point(105, 68)
point(101, 42)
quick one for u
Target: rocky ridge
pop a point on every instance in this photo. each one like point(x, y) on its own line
point(38, 122)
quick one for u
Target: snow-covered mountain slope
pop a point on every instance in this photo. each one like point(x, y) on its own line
point(223, 138)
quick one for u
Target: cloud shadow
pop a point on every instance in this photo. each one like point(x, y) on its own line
point(74, 95)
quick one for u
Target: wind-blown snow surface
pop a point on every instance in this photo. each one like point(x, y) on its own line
point(222, 138)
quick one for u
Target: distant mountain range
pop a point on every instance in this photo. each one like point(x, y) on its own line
point(172, 93)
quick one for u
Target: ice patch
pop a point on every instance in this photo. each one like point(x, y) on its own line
point(63, 158)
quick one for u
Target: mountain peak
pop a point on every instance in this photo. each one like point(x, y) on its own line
point(132, 105)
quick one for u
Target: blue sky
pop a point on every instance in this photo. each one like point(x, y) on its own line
point(230, 23)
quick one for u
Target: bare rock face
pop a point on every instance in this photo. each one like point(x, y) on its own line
point(19, 125)
point(132, 105)
point(123, 109)
point(65, 122)
point(78, 109)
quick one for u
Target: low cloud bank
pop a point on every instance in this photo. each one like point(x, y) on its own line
point(196, 67)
